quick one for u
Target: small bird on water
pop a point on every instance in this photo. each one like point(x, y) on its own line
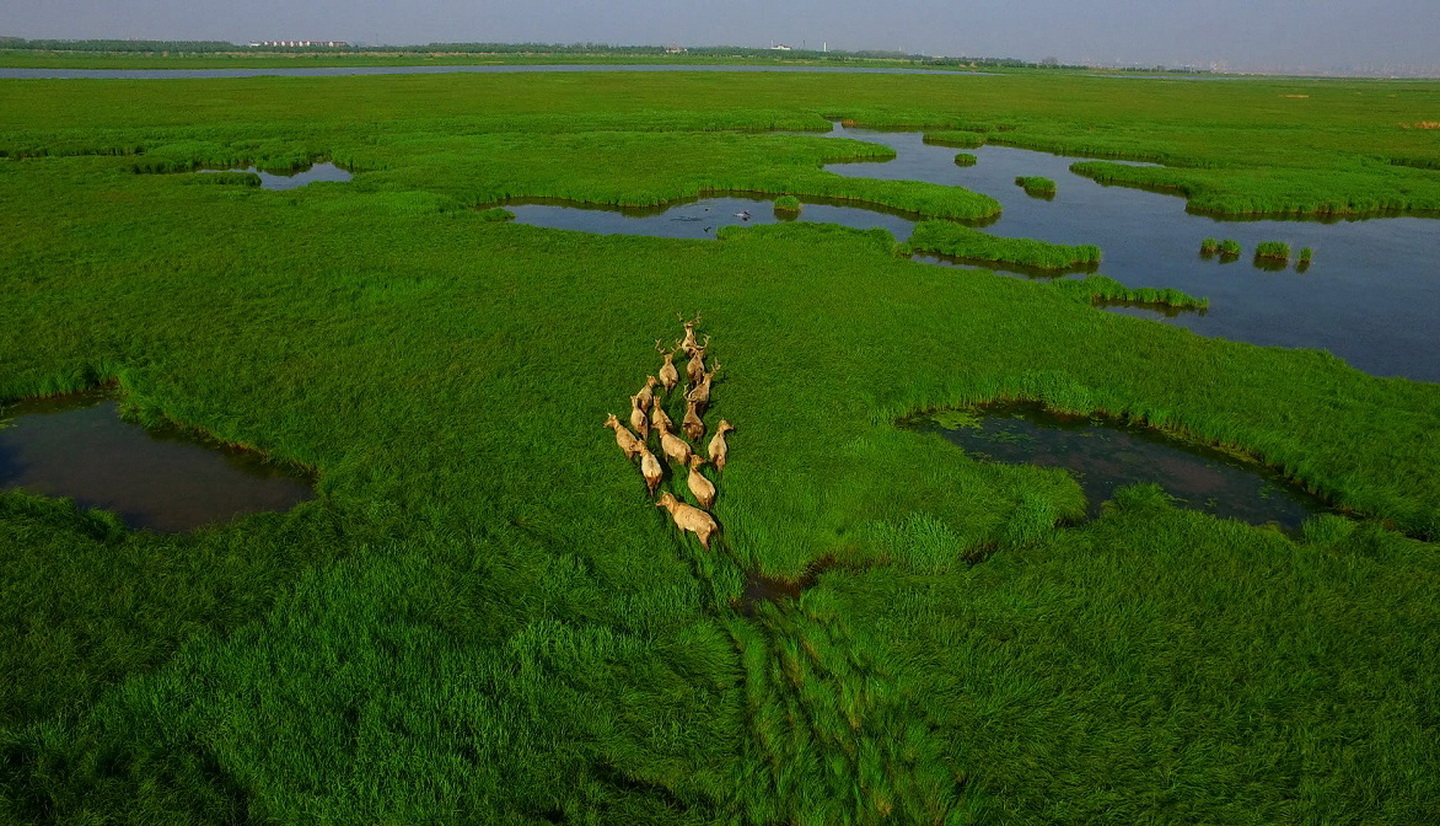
point(743, 215)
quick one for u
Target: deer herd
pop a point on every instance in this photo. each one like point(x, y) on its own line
point(648, 416)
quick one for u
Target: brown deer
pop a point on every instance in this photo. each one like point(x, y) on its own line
point(701, 488)
point(638, 419)
point(669, 376)
point(690, 345)
point(689, 518)
point(718, 449)
point(695, 370)
point(675, 447)
point(692, 424)
point(650, 469)
point(623, 437)
point(700, 394)
point(659, 419)
point(646, 393)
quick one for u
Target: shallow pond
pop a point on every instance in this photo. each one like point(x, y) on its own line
point(698, 218)
point(298, 177)
point(78, 447)
point(1104, 455)
point(1369, 296)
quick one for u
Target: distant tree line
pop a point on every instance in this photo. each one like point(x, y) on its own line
point(214, 46)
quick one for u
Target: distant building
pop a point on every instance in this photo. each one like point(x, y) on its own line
point(675, 48)
point(300, 43)
point(780, 47)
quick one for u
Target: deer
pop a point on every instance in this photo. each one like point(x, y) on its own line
point(669, 376)
point(647, 392)
point(623, 437)
point(650, 469)
point(637, 418)
point(718, 449)
point(690, 345)
point(695, 370)
point(675, 447)
point(700, 394)
point(701, 488)
point(689, 518)
point(659, 419)
point(692, 424)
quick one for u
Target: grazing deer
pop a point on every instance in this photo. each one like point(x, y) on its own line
point(690, 345)
point(675, 447)
point(718, 449)
point(627, 441)
point(689, 518)
point(659, 419)
point(699, 395)
point(669, 376)
point(693, 426)
point(638, 419)
point(701, 488)
point(646, 393)
point(650, 469)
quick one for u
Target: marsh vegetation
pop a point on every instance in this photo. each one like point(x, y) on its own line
point(483, 614)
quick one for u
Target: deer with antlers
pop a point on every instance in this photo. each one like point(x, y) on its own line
point(718, 449)
point(689, 518)
point(699, 395)
point(624, 438)
point(690, 345)
point(669, 376)
point(695, 369)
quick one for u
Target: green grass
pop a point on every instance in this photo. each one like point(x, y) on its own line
point(949, 238)
point(955, 139)
point(1035, 185)
point(965, 159)
point(1278, 250)
point(482, 617)
point(787, 204)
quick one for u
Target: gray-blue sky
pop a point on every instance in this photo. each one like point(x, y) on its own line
point(1242, 33)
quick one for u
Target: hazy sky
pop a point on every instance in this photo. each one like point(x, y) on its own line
point(1248, 33)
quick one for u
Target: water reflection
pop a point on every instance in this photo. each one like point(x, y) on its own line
point(1368, 295)
point(1104, 455)
point(296, 178)
point(78, 447)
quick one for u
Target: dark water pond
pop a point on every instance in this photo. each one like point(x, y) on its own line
point(78, 447)
point(298, 177)
point(1103, 455)
point(1369, 296)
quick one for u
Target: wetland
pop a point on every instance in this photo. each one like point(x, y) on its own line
point(481, 614)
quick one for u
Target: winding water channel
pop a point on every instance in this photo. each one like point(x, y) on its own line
point(1369, 296)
